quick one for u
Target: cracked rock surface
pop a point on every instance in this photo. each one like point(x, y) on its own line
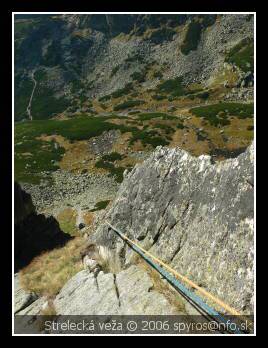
point(22, 299)
point(129, 292)
point(195, 215)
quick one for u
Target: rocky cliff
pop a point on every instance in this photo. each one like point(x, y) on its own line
point(195, 215)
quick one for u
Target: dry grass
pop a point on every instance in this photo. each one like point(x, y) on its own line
point(67, 221)
point(88, 218)
point(48, 272)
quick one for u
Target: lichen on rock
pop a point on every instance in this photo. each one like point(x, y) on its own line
point(195, 215)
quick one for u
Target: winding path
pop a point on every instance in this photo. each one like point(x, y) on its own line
point(30, 101)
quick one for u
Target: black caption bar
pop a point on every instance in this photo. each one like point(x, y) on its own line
point(116, 324)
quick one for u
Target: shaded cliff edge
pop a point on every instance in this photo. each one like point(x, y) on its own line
point(33, 233)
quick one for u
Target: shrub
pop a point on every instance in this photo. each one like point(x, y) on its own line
point(217, 114)
point(104, 98)
point(104, 164)
point(180, 126)
point(172, 86)
point(151, 115)
point(148, 137)
point(128, 104)
point(162, 34)
point(100, 205)
point(134, 112)
point(113, 156)
point(165, 127)
point(139, 76)
point(122, 91)
point(117, 172)
point(242, 55)
point(192, 38)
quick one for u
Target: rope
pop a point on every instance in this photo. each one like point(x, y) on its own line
point(209, 310)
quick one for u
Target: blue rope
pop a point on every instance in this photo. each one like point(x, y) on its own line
point(179, 286)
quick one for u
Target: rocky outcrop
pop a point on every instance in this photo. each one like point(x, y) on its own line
point(195, 215)
point(22, 299)
point(129, 292)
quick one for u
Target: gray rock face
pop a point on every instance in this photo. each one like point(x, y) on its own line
point(195, 215)
point(128, 292)
point(22, 299)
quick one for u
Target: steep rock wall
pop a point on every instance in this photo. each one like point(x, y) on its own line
point(195, 215)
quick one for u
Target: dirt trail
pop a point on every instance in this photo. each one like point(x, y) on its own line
point(30, 101)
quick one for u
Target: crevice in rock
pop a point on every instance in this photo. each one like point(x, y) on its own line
point(117, 291)
point(30, 300)
point(169, 167)
point(96, 282)
point(176, 251)
point(163, 225)
point(184, 213)
point(251, 184)
point(151, 288)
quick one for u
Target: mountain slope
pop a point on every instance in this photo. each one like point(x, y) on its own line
point(82, 57)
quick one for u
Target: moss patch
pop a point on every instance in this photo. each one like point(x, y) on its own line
point(218, 114)
point(100, 205)
point(192, 38)
point(242, 55)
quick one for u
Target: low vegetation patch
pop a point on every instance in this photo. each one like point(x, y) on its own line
point(105, 98)
point(166, 128)
point(201, 95)
point(173, 87)
point(67, 221)
point(192, 37)
point(139, 76)
point(112, 157)
point(116, 172)
point(162, 34)
point(148, 137)
point(218, 114)
point(122, 91)
point(128, 104)
point(33, 157)
point(151, 115)
point(45, 105)
point(242, 55)
point(100, 205)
